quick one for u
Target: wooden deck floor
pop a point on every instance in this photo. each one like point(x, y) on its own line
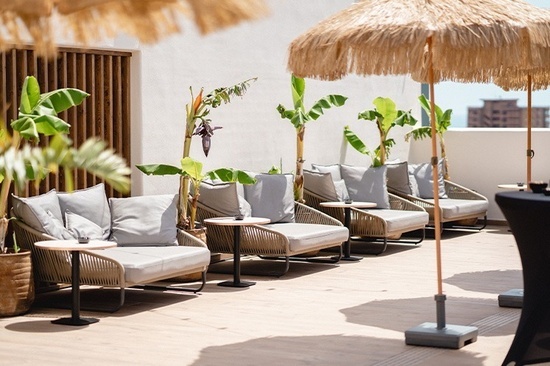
point(353, 313)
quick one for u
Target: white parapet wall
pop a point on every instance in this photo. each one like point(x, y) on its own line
point(483, 158)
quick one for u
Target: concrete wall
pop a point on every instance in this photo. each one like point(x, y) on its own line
point(253, 137)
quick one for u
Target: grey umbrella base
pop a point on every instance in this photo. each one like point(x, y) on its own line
point(511, 298)
point(451, 336)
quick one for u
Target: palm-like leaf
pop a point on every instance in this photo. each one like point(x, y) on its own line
point(95, 158)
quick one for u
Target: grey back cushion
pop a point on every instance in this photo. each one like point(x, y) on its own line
point(367, 184)
point(144, 220)
point(333, 169)
point(398, 177)
point(42, 213)
point(323, 185)
point(90, 203)
point(224, 198)
point(423, 173)
point(272, 197)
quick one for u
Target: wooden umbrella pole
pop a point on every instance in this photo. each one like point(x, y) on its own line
point(439, 297)
point(530, 152)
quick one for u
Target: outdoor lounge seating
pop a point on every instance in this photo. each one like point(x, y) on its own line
point(386, 223)
point(460, 207)
point(295, 230)
point(149, 246)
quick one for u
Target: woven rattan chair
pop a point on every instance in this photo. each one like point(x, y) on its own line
point(372, 225)
point(267, 242)
point(96, 269)
point(461, 210)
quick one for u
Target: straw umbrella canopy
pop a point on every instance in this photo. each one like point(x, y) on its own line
point(431, 40)
point(87, 20)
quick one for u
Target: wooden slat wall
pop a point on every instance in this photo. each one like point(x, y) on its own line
point(105, 75)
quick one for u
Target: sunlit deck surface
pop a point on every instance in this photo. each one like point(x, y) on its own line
point(352, 313)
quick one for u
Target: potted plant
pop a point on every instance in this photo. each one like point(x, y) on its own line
point(442, 124)
point(22, 161)
point(386, 116)
point(197, 122)
point(299, 116)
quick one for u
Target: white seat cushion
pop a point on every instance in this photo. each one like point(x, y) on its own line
point(303, 237)
point(146, 264)
point(455, 208)
point(401, 221)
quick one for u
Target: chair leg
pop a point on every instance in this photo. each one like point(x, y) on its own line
point(175, 288)
point(385, 242)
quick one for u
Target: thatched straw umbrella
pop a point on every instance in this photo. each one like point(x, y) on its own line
point(87, 20)
point(433, 41)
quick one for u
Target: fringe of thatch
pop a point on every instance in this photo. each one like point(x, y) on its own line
point(471, 40)
point(212, 15)
point(87, 20)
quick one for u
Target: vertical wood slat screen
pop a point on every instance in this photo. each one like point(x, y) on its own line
point(105, 75)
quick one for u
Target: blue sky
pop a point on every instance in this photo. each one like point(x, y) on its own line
point(459, 97)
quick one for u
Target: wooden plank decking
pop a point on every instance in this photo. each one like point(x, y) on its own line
point(353, 313)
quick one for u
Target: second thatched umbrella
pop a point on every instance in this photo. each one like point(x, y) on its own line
point(431, 40)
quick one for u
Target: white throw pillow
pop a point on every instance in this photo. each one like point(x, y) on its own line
point(333, 169)
point(424, 179)
point(90, 203)
point(367, 184)
point(42, 213)
point(81, 227)
point(144, 220)
point(272, 197)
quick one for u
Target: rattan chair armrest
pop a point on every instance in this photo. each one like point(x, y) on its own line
point(309, 215)
point(186, 239)
point(457, 191)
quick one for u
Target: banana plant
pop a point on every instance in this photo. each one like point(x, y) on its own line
point(442, 124)
point(192, 169)
point(198, 123)
point(386, 116)
point(299, 116)
point(23, 163)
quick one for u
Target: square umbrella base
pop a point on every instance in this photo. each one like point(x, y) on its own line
point(452, 336)
point(511, 299)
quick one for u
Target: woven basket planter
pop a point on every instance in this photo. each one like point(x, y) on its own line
point(16, 283)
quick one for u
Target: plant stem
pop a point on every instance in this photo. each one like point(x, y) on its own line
point(299, 175)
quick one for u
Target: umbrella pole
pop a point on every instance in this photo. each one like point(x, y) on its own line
point(439, 334)
point(530, 152)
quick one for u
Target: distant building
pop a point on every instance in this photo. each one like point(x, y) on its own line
point(506, 113)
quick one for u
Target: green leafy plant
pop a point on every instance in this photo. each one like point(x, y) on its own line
point(299, 116)
point(386, 116)
point(198, 122)
point(22, 161)
point(442, 124)
point(192, 169)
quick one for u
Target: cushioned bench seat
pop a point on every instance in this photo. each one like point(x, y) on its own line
point(454, 209)
point(149, 248)
point(148, 264)
point(303, 237)
point(400, 221)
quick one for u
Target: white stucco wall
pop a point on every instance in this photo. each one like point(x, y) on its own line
point(253, 137)
point(481, 159)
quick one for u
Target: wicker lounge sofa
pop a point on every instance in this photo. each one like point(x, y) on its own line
point(393, 216)
point(149, 246)
point(296, 231)
point(460, 207)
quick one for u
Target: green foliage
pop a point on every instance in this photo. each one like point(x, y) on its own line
point(386, 116)
point(38, 112)
point(442, 121)
point(299, 116)
point(192, 169)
